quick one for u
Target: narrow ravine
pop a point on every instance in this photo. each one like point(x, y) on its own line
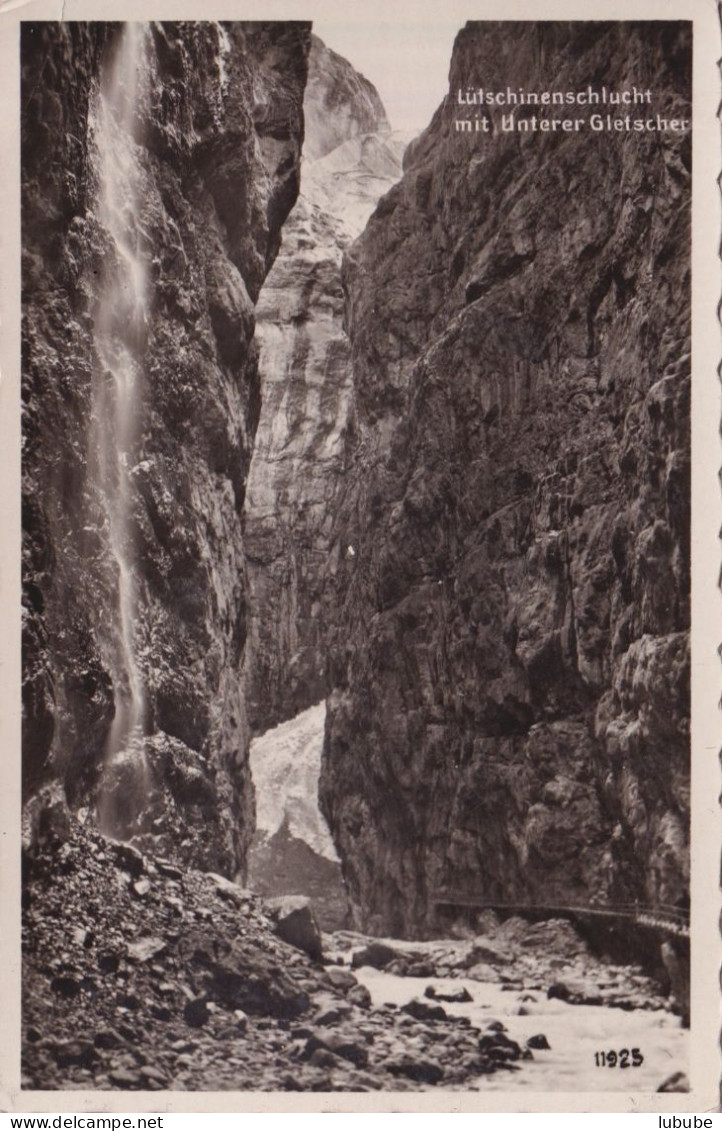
point(351, 158)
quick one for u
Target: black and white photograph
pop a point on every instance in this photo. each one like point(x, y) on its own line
point(356, 556)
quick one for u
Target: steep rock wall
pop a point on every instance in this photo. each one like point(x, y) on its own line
point(350, 160)
point(508, 716)
point(216, 136)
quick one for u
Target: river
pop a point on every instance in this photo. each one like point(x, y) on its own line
point(575, 1034)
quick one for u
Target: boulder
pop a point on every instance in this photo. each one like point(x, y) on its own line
point(125, 1078)
point(499, 1047)
point(340, 1045)
point(74, 1052)
point(575, 992)
point(229, 891)
point(676, 964)
point(360, 996)
point(421, 970)
point(295, 923)
point(108, 1038)
point(421, 1011)
point(238, 976)
point(183, 498)
point(376, 954)
point(548, 687)
point(436, 994)
point(482, 972)
point(341, 979)
point(484, 951)
point(399, 966)
point(422, 1071)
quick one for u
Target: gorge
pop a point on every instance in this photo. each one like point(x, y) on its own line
point(392, 454)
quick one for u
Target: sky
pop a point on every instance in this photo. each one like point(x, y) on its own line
point(407, 62)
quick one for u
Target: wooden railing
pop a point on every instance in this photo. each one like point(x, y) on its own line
point(661, 917)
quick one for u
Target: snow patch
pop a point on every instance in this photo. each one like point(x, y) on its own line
point(285, 766)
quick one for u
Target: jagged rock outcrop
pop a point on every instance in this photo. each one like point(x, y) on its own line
point(165, 162)
point(339, 103)
point(508, 716)
point(350, 159)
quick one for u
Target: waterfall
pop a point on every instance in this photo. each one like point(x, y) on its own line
point(120, 338)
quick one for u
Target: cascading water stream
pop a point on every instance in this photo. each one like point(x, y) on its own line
point(120, 333)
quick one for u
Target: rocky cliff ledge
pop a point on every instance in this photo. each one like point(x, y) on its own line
point(350, 159)
point(165, 164)
point(508, 717)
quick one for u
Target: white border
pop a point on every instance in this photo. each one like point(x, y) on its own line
point(706, 605)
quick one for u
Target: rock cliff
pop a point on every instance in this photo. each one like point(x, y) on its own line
point(159, 163)
point(508, 716)
point(350, 159)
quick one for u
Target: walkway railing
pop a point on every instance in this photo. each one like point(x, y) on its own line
point(664, 918)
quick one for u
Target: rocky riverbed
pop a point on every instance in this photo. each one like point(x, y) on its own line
point(141, 975)
point(537, 987)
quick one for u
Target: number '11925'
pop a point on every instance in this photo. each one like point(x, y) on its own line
point(625, 1058)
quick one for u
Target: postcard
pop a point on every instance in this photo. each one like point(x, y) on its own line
point(360, 412)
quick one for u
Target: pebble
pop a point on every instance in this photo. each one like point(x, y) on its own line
point(154, 1074)
point(422, 1011)
point(196, 1012)
point(145, 949)
point(124, 1078)
point(108, 1039)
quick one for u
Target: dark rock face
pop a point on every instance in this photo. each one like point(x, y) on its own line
point(350, 160)
point(217, 132)
point(508, 713)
